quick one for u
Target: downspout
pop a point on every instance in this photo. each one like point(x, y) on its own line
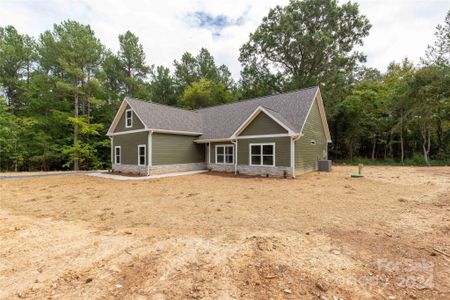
point(112, 151)
point(149, 151)
point(293, 140)
point(235, 143)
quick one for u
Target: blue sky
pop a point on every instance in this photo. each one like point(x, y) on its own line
point(400, 28)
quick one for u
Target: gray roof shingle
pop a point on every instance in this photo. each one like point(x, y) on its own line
point(159, 116)
point(221, 121)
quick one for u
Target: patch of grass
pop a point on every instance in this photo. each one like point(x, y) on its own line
point(416, 161)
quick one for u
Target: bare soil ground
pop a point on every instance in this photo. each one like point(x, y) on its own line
point(215, 236)
point(8, 174)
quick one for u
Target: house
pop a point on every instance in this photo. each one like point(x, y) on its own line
point(279, 135)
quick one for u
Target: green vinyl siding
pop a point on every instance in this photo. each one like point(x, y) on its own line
point(263, 124)
point(212, 150)
point(137, 124)
point(129, 146)
point(282, 150)
point(176, 149)
point(306, 154)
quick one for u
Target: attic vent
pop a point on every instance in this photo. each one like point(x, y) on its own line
point(313, 142)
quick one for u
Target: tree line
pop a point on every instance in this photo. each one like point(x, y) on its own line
point(59, 92)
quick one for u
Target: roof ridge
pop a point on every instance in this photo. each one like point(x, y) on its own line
point(160, 104)
point(212, 106)
point(257, 98)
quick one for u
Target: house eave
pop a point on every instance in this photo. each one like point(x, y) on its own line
point(243, 137)
point(176, 132)
point(212, 140)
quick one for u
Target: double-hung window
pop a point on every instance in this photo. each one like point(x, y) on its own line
point(141, 155)
point(128, 118)
point(224, 154)
point(117, 155)
point(262, 154)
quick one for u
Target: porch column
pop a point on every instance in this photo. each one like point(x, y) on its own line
point(209, 153)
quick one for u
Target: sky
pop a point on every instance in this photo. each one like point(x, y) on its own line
point(400, 28)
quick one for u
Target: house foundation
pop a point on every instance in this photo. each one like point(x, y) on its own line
point(253, 170)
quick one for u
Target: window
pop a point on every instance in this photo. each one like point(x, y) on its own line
point(141, 155)
point(117, 155)
point(128, 118)
point(224, 154)
point(262, 154)
point(313, 142)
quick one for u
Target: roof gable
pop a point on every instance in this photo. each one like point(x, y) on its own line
point(119, 117)
point(136, 122)
point(323, 118)
point(263, 124)
point(255, 114)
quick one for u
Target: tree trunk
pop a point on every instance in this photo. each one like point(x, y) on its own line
point(385, 151)
point(75, 136)
point(391, 146)
point(426, 144)
point(336, 141)
point(387, 145)
point(402, 148)
point(15, 159)
point(351, 152)
point(439, 131)
point(374, 146)
point(429, 145)
point(425, 154)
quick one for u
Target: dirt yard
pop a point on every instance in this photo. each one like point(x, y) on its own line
point(210, 236)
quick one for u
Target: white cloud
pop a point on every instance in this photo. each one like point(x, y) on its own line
point(400, 28)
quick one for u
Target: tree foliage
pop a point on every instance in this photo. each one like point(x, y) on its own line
point(162, 87)
point(71, 56)
point(200, 82)
point(16, 64)
point(132, 65)
point(307, 42)
point(204, 93)
point(60, 92)
point(191, 69)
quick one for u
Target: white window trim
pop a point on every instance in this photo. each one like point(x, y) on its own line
point(145, 155)
point(115, 155)
point(224, 153)
point(250, 154)
point(126, 118)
